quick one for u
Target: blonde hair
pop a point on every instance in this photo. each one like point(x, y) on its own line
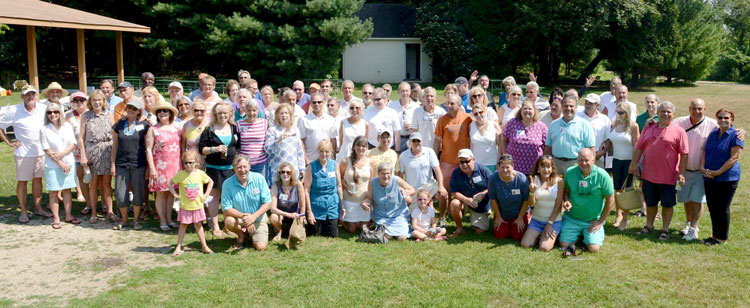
point(194, 154)
point(628, 123)
point(450, 86)
point(289, 108)
point(325, 145)
point(215, 116)
point(475, 90)
point(94, 93)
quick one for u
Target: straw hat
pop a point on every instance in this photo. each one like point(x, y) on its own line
point(164, 105)
point(54, 86)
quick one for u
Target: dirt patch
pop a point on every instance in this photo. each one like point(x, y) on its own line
point(40, 264)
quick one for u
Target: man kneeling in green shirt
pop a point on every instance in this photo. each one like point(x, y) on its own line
point(587, 187)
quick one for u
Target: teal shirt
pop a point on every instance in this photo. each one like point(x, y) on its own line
point(246, 199)
point(642, 118)
point(567, 138)
point(587, 193)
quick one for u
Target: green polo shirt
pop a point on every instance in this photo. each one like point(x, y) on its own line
point(587, 193)
point(642, 118)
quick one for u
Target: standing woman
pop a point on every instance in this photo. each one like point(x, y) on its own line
point(351, 128)
point(508, 111)
point(323, 184)
point(287, 194)
point(96, 150)
point(58, 142)
point(192, 130)
point(485, 135)
point(183, 111)
point(622, 138)
point(269, 105)
point(477, 96)
point(219, 142)
point(163, 155)
point(283, 143)
point(129, 155)
point(151, 98)
point(78, 108)
point(545, 195)
point(232, 90)
point(252, 132)
point(524, 138)
point(721, 173)
point(356, 174)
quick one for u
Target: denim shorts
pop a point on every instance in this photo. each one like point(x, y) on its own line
point(539, 226)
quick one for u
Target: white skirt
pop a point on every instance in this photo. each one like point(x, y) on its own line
point(355, 212)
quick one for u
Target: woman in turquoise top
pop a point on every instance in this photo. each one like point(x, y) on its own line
point(323, 184)
point(388, 197)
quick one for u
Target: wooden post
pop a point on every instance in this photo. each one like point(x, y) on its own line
point(82, 84)
point(118, 52)
point(31, 51)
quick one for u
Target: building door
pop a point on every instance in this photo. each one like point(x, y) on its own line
point(413, 52)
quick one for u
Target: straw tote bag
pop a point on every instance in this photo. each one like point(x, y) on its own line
point(628, 198)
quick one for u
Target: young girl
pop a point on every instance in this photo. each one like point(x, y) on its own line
point(190, 181)
point(423, 220)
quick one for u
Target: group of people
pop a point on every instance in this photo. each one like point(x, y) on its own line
point(536, 171)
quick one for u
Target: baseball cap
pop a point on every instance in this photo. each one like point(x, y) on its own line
point(125, 84)
point(415, 136)
point(461, 80)
point(465, 153)
point(383, 131)
point(593, 98)
point(175, 84)
point(135, 102)
point(28, 88)
point(77, 94)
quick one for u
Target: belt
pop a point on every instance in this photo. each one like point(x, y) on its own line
point(688, 170)
point(565, 159)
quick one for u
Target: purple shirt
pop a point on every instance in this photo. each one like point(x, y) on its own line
point(525, 144)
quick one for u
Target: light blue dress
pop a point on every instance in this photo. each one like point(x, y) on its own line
point(324, 195)
point(288, 150)
point(390, 207)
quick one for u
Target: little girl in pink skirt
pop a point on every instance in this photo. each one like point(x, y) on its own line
point(190, 181)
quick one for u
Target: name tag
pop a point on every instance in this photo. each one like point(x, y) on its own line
point(283, 197)
point(426, 118)
point(332, 174)
point(255, 191)
point(477, 179)
point(583, 184)
point(563, 130)
point(520, 132)
point(515, 192)
point(243, 129)
point(139, 127)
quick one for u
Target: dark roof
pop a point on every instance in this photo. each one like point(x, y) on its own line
point(389, 20)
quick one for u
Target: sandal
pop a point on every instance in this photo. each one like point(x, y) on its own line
point(23, 220)
point(664, 236)
point(74, 221)
point(217, 233)
point(208, 252)
point(112, 217)
point(173, 225)
point(56, 225)
point(645, 230)
point(177, 253)
point(137, 226)
point(93, 220)
point(237, 246)
point(119, 227)
point(86, 211)
point(164, 228)
point(711, 242)
point(44, 214)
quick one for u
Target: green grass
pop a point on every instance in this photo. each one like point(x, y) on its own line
point(473, 271)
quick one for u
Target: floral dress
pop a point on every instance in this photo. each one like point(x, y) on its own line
point(288, 150)
point(98, 142)
point(166, 156)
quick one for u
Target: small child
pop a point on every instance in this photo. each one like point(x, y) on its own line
point(423, 219)
point(190, 181)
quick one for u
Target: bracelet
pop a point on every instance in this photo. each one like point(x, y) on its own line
point(549, 222)
point(210, 150)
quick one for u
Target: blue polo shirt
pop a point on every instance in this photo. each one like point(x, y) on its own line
point(473, 184)
point(246, 199)
point(718, 150)
point(112, 102)
point(509, 196)
point(567, 138)
point(465, 102)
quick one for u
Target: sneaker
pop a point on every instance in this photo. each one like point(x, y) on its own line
point(441, 222)
point(685, 230)
point(691, 235)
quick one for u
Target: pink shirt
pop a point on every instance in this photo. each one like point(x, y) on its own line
point(661, 152)
point(696, 138)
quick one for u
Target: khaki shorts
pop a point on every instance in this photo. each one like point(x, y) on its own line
point(28, 168)
point(261, 229)
point(480, 220)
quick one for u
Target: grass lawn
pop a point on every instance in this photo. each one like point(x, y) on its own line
point(472, 271)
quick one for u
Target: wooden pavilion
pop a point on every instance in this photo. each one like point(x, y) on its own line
point(35, 13)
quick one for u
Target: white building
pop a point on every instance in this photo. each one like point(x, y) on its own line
point(393, 53)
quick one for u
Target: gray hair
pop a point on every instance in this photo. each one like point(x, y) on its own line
point(510, 80)
point(424, 92)
point(184, 98)
point(532, 86)
point(298, 82)
point(251, 104)
point(246, 91)
point(656, 97)
point(515, 89)
point(665, 104)
point(238, 159)
point(382, 166)
point(347, 81)
point(243, 72)
point(380, 91)
point(52, 107)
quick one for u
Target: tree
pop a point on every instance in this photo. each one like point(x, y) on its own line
point(734, 63)
point(440, 25)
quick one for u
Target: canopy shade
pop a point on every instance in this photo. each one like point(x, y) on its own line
point(44, 14)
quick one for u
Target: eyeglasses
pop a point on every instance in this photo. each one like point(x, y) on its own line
point(282, 172)
point(620, 112)
point(53, 112)
point(189, 163)
point(163, 111)
point(331, 105)
point(516, 94)
point(477, 95)
point(724, 118)
point(316, 102)
point(353, 107)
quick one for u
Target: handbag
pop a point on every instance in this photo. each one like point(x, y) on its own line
point(297, 234)
point(376, 236)
point(628, 198)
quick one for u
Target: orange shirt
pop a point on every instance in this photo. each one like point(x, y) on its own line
point(119, 111)
point(455, 135)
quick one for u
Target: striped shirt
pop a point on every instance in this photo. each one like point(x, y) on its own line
point(252, 137)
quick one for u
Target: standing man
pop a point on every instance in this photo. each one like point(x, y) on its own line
point(147, 80)
point(27, 120)
point(388, 89)
point(532, 92)
point(664, 147)
point(347, 88)
point(589, 197)
point(451, 135)
point(484, 82)
point(417, 166)
point(609, 98)
point(303, 99)
point(382, 118)
point(425, 118)
point(175, 92)
point(554, 112)
point(126, 93)
point(622, 98)
point(599, 122)
point(567, 136)
point(367, 91)
point(651, 102)
point(243, 75)
point(415, 89)
point(245, 199)
point(315, 127)
point(405, 107)
point(326, 86)
point(463, 91)
point(108, 88)
point(469, 186)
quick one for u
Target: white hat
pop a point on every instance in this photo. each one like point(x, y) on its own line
point(465, 153)
point(28, 88)
point(593, 98)
point(175, 84)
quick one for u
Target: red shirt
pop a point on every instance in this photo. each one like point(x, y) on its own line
point(662, 148)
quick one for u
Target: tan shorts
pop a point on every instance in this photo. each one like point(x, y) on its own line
point(480, 220)
point(28, 168)
point(261, 229)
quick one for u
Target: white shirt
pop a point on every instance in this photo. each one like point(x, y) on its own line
point(425, 122)
point(541, 104)
point(57, 141)
point(607, 100)
point(313, 129)
point(423, 219)
point(484, 145)
point(26, 127)
point(344, 105)
point(601, 125)
point(405, 115)
point(387, 119)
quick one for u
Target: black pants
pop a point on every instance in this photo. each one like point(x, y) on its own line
point(328, 227)
point(718, 198)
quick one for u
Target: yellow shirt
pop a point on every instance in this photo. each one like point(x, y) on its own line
point(377, 156)
point(191, 187)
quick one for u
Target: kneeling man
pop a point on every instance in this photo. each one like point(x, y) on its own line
point(245, 199)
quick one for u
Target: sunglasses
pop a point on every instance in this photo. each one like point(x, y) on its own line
point(163, 111)
point(377, 99)
point(516, 94)
point(79, 100)
point(352, 108)
point(330, 105)
point(189, 163)
point(53, 112)
point(316, 102)
point(366, 93)
point(478, 113)
point(285, 172)
point(464, 162)
point(199, 110)
point(724, 118)
point(477, 95)
point(620, 112)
